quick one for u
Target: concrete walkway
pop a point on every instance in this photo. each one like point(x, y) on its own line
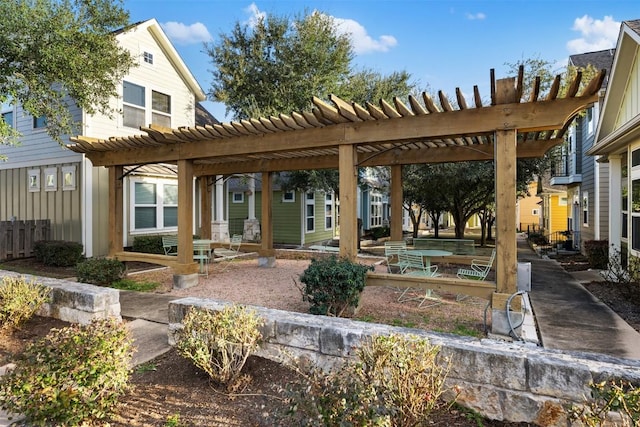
point(568, 317)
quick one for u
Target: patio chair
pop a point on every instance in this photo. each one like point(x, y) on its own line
point(415, 265)
point(170, 244)
point(202, 254)
point(226, 255)
point(391, 251)
point(479, 268)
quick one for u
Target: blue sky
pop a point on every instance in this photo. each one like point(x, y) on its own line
point(443, 44)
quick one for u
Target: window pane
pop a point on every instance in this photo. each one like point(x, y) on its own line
point(635, 195)
point(160, 102)
point(145, 217)
point(328, 222)
point(170, 216)
point(161, 120)
point(132, 117)
point(170, 194)
point(310, 196)
point(624, 225)
point(635, 229)
point(310, 210)
point(8, 118)
point(39, 122)
point(310, 224)
point(145, 193)
point(133, 94)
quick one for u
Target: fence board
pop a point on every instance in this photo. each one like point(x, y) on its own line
point(17, 238)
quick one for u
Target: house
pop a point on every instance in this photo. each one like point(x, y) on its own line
point(299, 218)
point(528, 209)
point(582, 176)
point(554, 209)
point(42, 180)
point(617, 143)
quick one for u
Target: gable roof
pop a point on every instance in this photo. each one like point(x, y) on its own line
point(609, 139)
point(204, 117)
point(153, 27)
point(600, 60)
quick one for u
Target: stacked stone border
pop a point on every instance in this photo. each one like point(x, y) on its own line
point(503, 381)
point(75, 302)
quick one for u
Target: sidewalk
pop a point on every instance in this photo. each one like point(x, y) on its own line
point(568, 317)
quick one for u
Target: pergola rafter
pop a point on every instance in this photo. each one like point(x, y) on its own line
point(346, 135)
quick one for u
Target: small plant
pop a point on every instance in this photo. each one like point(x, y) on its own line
point(538, 239)
point(132, 285)
point(146, 367)
point(395, 381)
point(597, 252)
point(174, 421)
point(73, 375)
point(100, 271)
point(148, 244)
point(610, 396)
point(220, 342)
point(333, 285)
point(20, 300)
point(57, 253)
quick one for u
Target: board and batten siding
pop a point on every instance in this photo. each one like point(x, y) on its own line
point(630, 106)
point(63, 207)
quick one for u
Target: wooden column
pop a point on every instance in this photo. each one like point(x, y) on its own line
point(348, 202)
point(266, 254)
point(185, 212)
point(396, 202)
point(116, 223)
point(205, 208)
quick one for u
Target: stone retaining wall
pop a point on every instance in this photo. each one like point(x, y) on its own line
point(503, 381)
point(76, 302)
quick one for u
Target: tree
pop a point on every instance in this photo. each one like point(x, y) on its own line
point(57, 52)
point(281, 63)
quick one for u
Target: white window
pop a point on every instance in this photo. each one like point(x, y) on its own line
point(51, 179)
point(148, 57)
point(328, 211)
point(155, 205)
point(585, 208)
point(68, 178)
point(160, 109)
point(133, 109)
point(237, 197)
point(535, 212)
point(310, 212)
point(375, 218)
point(33, 180)
point(289, 196)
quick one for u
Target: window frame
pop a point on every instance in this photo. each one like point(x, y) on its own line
point(309, 202)
point(159, 112)
point(328, 203)
point(147, 57)
point(132, 105)
point(159, 205)
point(68, 178)
point(33, 180)
point(375, 210)
point(286, 200)
point(237, 193)
point(51, 179)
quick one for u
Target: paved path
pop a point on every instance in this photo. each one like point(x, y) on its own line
point(568, 317)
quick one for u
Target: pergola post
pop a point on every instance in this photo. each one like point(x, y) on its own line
point(186, 270)
point(205, 208)
point(506, 309)
point(266, 254)
point(347, 159)
point(116, 223)
point(397, 199)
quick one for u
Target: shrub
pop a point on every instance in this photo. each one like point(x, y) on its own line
point(148, 244)
point(219, 342)
point(57, 253)
point(333, 285)
point(73, 375)
point(395, 381)
point(609, 396)
point(100, 271)
point(20, 300)
point(379, 232)
point(597, 252)
point(538, 239)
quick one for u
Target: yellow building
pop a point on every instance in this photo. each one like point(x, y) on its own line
point(528, 209)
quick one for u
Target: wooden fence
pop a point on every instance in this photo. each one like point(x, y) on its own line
point(18, 237)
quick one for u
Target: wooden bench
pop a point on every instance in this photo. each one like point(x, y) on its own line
point(455, 246)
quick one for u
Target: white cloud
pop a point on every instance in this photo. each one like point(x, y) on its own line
point(476, 16)
point(361, 41)
point(595, 34)
point(187, 34)
point(255, 15)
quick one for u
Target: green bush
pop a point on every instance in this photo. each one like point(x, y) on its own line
point(597, 252)
point(74, 375)
point(20, 300)
point(333, 285)
point(538, 239)
point(219, 342)
point(606, 397)
point(379, 232)
point(395, 381)
point(100, 271)
point(57, 253)
point(148, 244)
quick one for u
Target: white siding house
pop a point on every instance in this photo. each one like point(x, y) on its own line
point(43, 180)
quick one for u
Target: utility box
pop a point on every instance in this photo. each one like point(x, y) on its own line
point(524, 276)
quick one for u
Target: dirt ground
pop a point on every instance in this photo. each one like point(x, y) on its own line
point(170, 391)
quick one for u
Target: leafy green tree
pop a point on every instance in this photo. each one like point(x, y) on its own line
point(54, 53)
point(279, 65)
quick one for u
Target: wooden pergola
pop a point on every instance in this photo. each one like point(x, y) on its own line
point(346, 135)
